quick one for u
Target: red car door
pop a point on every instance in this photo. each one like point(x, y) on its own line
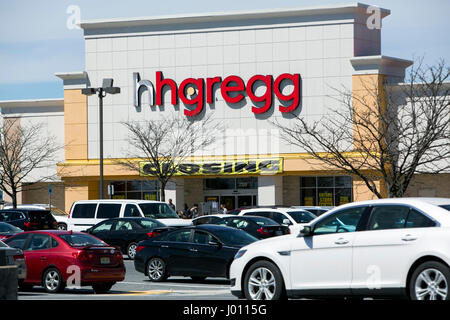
point(37, 256)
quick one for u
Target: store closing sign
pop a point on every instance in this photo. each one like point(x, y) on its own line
point(192, 92)
point(225, 167)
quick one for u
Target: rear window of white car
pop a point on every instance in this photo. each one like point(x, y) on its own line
point(84, 211)
point(445, 206)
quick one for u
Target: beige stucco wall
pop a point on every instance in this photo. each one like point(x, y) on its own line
point(38, 193)
point(429, 185)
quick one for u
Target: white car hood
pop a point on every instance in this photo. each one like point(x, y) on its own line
point(176, 222)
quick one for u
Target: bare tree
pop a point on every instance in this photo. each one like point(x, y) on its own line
point(163, 144)
point(384, 133)
point(24, 150)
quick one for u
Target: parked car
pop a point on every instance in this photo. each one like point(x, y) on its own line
point(85, 214)
point(7, 230)
point(59, 215)
point(29, 219)
point(259, 227)
point(125, 233)
point(198, 251)
point(53, 256)
point(294, 218)
point(388, 247)
point(12, 256)
point(316, 210)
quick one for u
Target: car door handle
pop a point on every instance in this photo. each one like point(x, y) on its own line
point(193, 250)
point(164, 246)
point(409, 237)
point(341, 241)
point(43, 258)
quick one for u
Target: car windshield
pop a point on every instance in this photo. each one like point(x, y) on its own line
point(158, 211)
point(445, 206)
point(150, 224)
point(6, 227)
point(82, 240)
point(302, 216)
point(234, 237)
point(261, 221)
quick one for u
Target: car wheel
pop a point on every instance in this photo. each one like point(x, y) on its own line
point(100, 288)
point(156, 269)
point(430, 281)
point(263, 281)
point(131, 250)
point(52, 281)
point(62, 226)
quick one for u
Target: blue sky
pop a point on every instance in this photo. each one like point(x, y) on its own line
point(35, 41)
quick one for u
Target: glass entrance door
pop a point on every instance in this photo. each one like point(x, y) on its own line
point(229, 202)
point(244, 201)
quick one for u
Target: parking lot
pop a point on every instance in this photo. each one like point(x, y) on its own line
point(136, 286)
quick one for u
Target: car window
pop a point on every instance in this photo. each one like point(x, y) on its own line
point(84, 211)
point(149, 224)
point(445, 206)
point(18, 241)
point(343, 221)
point(131, 211)
point(16, 216)
point(258, 213)
point(202, 237)
point(204, 220)
point(388, 217)
point(39, 242)
point(55, 243)
point(237, 223)
point(6, 227)
point(279, 217)
point(418, 220)
point(178, 236)
point(123, 226)
point(158, 211)
point(104, 226)
point(108, 210)
point(302, 216)
point(81, 240)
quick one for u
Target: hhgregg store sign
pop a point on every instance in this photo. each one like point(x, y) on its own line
point(195, 91)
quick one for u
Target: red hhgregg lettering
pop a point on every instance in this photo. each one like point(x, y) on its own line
point(232, 89)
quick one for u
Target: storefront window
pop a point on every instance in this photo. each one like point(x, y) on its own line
point(136, 190)
point(326, 191)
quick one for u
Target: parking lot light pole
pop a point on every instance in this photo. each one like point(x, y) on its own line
point(107, 87)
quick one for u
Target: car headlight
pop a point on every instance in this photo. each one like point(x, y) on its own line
point(240, 253)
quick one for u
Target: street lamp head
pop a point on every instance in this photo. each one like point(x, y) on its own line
point(107, 83)
point(112, 90)
point(88, 91)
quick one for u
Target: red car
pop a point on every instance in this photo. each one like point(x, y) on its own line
point(56, 259)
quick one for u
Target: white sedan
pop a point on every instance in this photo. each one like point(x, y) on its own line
point(378, 248)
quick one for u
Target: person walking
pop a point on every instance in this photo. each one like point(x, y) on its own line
point(223, 209)
point(193, 212)
point(171, 204)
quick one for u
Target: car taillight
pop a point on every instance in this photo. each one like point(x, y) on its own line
point(27, 225)
point(139, 248)
point(82, 255)
point(264, 231)
point(152, 234)
point(19, 257)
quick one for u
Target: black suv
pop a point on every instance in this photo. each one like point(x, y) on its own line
point(29, 219)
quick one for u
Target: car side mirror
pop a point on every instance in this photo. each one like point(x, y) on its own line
point(306, 231)
point(287, 222)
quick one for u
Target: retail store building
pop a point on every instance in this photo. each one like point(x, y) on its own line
point(297, 56)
